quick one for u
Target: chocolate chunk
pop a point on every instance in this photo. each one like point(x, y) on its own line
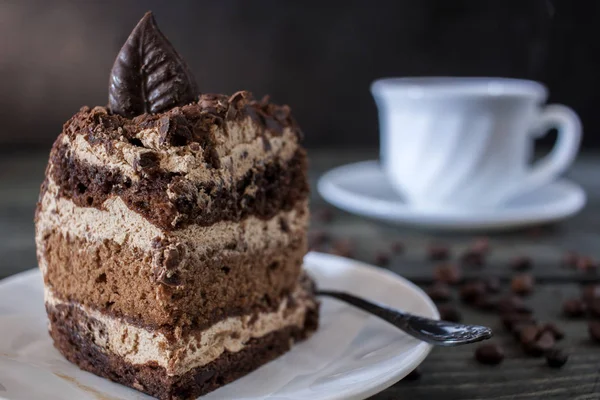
point(573, 308)
point(382, 259)
point(414, 375)
point(438, 252)
point(590, 293)
point(554, 329)
point(489, 353)
point(439, 292)
point(594, 330)
point(556, 358)
point(149, 76)
point(449, 313)
point(147, 162)
point(397, 246)
point(471, 291)
point(522, 284)
point(448, 273)
point(473, 258)
point(522, 263)
point(492, 284)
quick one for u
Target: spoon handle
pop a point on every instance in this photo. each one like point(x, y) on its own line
point(440, 333)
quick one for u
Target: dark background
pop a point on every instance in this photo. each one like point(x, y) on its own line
point(317, 56)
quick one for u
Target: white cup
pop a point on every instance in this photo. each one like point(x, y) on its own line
point(467, 142)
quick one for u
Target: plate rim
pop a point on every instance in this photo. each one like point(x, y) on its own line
point(401, 214)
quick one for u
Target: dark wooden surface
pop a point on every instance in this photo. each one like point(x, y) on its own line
point(447, 373)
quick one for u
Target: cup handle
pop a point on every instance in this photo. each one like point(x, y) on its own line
point(562, 155)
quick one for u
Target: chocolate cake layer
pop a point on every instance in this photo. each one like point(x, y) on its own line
point(119, 279)
point(169, 201)
point(71, 330)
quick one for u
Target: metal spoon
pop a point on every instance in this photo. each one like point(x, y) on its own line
point(439, 333)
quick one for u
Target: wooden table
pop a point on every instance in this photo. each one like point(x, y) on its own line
point(447, 373)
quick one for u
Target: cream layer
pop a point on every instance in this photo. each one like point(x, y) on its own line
point(115, 221)
point(180, 353)
point(239, 149)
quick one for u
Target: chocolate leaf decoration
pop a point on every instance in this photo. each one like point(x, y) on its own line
point(149, 76)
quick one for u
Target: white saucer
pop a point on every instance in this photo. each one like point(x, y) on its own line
point(362, 188)
point(352, 356)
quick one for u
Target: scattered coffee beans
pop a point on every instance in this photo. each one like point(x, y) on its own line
point(586, 264)
point(486, 303)
point(473, 258)
point(590, 293)
point(489, 353)
point(556, 358)
point(513, 319)
point(529, 334)
point(448, 273)
point(513, 304)
point(522, 284)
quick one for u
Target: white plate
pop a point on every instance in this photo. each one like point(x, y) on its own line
point(362, 189)
point(352, 355)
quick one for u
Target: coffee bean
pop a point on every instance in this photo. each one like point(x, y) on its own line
point(448, 273)
point(573, 308)
point(586, 264)
point(522, 263)
point(594, 330)
point(397, 246)
point(470, 291)
point(594, 307)
point(472, 258)
point(382, 259)
point(512, 320)
point(590, 293)
point(556, 358)
point(545, 342)
point(449, 313)
point(513, 303)
point(414, 375)
point(522, 284)
point(492, 284)
point(489, 353)
point(438, 252)
point(570, 259)
point(439, 292)
point(554, 329)
point(323, 214)
point(529, 334)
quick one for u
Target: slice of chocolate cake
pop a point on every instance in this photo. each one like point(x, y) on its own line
point(171, 229)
